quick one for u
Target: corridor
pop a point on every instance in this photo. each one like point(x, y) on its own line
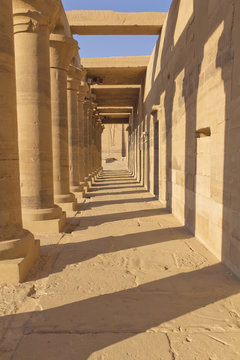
point(126, 280)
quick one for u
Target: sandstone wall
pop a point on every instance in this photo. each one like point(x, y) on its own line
point(194, 76)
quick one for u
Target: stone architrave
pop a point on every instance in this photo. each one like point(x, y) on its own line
point(33, 21)
point(83, 89)
point(75, 156)
point(18, 249)
point(62, 50)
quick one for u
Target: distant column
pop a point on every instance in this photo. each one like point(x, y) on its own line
point(62, 50)
point(33, 21)
point(74, 78)
point(83, 89)
point(98, 145)
point(94, 153)
point(92, 110)
point(86, 141)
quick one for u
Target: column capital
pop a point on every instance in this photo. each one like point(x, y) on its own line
point(94, 106)
point(99, 121)
point(82, 91)
point(29, 16)
point(83, 88)
point(74, 78)
point(62, 50)
point(87, 102)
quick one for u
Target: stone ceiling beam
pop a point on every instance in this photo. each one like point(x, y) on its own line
point(115, 109)
point(115, 121)
point(115, 115)
point(129, 70)
point(116, 96)
point(85, 22)
point(113, 87)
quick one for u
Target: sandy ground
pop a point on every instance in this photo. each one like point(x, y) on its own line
point(126, 281)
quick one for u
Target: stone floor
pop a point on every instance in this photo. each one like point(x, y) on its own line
point(126, 281)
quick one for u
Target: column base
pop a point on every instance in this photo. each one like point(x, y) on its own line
point(86, 188)
point(78, 191)
point(67, 202)
point(97, 173)
point(52, 226)
point(88, 181)
point(17, 257)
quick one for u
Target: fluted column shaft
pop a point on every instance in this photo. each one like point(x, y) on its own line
point(90, 133)
point(62, 50)
point(98, 139)
point(100, 145)
point(101, 128)
point(74, 78)
point(91, 139)
point(83, 88)
point(94, 144)
point(86, 139)
point(32, 23)
point(16, 245)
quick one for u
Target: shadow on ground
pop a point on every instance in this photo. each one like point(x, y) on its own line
point(105, 320)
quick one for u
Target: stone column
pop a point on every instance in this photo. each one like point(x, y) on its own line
point(32, 24)
point(98, 145)
point(86, 142)
point(74, 78)
point(92, 110)
point(18, 249)
point(94, 128)
point(83, 89)
point(62, 50)
point(90, 114)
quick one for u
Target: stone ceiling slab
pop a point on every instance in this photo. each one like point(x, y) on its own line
point(87, 22)
point(116, 96)
point(117, 70)
point(112, 109)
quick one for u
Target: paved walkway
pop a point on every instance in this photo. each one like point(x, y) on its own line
point(126, 282)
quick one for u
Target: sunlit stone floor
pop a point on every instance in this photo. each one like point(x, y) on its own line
point(126, 281)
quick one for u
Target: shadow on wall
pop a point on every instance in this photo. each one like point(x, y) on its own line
point(186, 57)
point(228, 60)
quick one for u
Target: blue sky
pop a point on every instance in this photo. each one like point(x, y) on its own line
point(104, 46)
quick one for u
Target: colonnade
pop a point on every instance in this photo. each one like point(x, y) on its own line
point(50, 148)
